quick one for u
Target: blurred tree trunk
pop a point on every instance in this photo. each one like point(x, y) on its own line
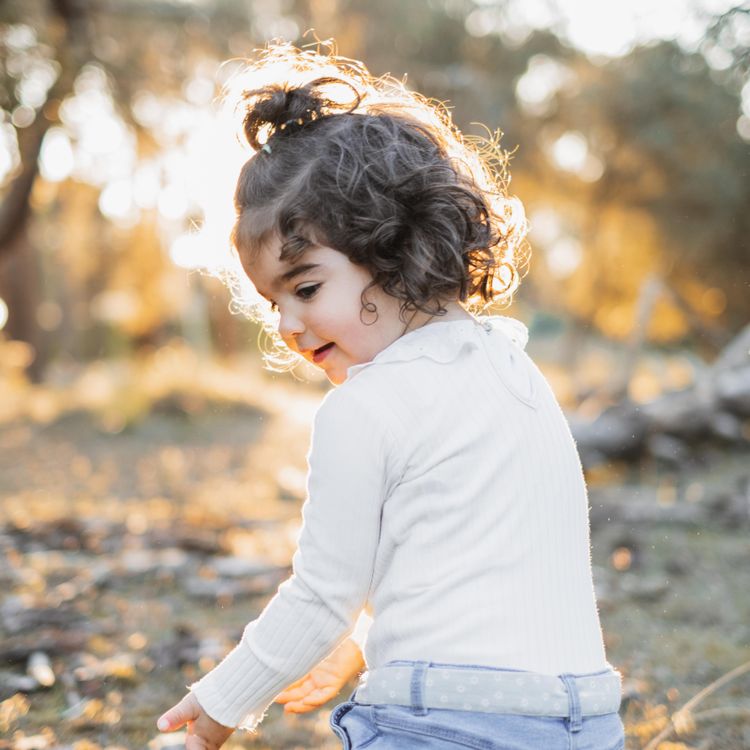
point(19, 271)
point(14, 210)
point(73, 53)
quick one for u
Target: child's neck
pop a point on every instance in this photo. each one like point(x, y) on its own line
point(454, 311)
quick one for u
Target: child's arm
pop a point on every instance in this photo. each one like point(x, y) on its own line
point(314, 610)
point(323, 682)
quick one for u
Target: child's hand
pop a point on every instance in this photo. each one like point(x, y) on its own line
point(324, 681)
point(203, 732)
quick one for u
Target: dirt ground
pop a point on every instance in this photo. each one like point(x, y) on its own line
point(136, 547)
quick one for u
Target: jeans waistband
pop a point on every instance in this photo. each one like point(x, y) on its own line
point(421, 685)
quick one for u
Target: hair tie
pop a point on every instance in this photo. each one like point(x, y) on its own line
point(294, 121)
point(298, 121)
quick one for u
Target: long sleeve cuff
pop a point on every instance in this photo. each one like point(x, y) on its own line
point(223, 692)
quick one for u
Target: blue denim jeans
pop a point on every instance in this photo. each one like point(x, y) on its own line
point(386, 726)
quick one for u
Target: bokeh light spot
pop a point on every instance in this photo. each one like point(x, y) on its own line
point(56, 159)
point(622, 558)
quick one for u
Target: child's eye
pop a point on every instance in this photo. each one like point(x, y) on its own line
point(308, 292)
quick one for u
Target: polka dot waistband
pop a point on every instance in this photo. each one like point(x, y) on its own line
point(491, 690)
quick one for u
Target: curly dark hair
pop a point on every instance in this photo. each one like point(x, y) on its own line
point(380, 174)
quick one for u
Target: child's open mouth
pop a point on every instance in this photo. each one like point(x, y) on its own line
point(320, 354)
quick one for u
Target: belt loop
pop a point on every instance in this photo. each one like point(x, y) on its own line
point(574, 702)
point(418, 676)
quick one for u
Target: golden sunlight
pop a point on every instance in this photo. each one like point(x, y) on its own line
point(571, 153)
point(544, 77)
point(56, 160)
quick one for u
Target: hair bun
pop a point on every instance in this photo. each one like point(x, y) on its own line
point(280, 107)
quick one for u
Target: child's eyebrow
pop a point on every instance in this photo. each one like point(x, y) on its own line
point(290, 274)
point(296, 271)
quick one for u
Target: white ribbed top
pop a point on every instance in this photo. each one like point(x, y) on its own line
point(445, 493)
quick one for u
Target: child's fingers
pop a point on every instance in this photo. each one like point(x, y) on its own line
point(288, 696)
point(310, 701)
point(308, 696)
point(294, 695)
point(295, 691)
point(296, 700)
point(320, 696)
point(186, 710)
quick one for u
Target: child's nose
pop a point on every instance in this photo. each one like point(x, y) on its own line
point(290, 324)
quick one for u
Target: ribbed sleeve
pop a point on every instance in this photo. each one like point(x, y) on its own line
point(316, 608)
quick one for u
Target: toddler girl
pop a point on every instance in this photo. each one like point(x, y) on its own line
point(445, 493)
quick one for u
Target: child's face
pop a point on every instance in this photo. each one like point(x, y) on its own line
point(321, 306)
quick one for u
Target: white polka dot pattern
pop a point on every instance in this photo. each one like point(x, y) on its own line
point(491, 690)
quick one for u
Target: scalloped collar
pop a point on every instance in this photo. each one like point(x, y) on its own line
point(444, 340)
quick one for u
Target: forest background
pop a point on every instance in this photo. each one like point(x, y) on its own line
point(140, 431)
